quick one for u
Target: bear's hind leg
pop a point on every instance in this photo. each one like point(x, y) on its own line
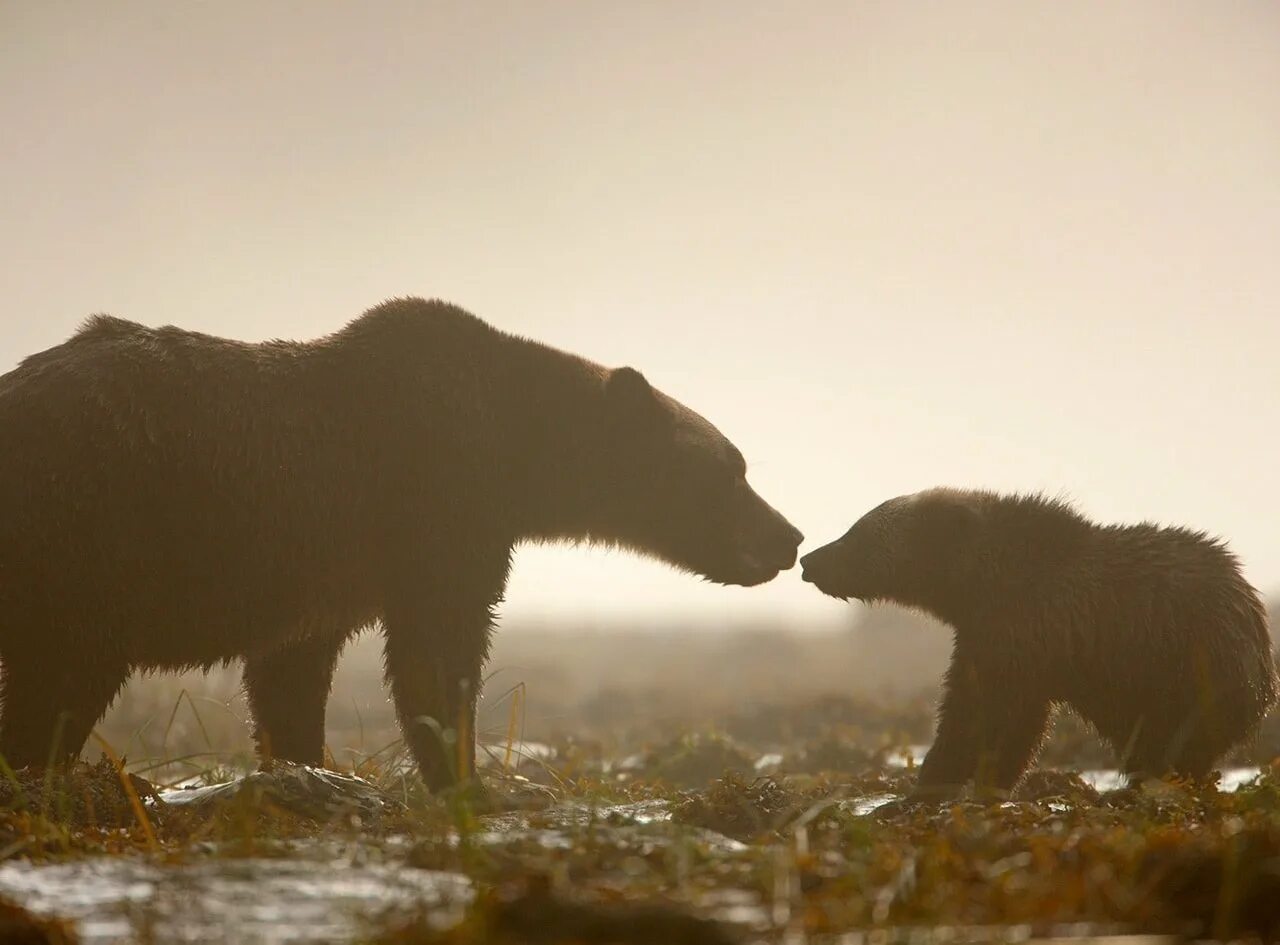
point(50, 707)
point(287, 691)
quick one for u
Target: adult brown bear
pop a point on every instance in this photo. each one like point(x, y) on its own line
point(1150, 633)
point(172, 500)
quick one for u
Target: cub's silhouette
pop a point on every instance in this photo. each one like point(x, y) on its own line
point(1150, 634)
point(172, 500)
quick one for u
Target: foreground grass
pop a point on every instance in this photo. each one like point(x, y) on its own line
point(1163, 858)
point(685, 817)
point(654, 848)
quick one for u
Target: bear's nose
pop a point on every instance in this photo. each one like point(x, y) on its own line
point(789, 548)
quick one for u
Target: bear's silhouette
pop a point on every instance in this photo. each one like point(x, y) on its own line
point(172, 500)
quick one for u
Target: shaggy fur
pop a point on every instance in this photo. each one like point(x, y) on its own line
point(1149, 633)
point(171, 500)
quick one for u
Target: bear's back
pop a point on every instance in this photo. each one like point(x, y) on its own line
point(116, 385)
point(162, 458)
point(113, 353)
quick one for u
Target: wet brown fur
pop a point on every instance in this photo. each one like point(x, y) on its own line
point(172, 500)
point(1150, 633)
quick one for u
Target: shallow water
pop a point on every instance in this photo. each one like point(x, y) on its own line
point(321, 890)
point(335, 891)
point(1233, 779)
point(642, 824)
point(865, 805)
point(260, 901)
point(302, 789)
point(1108, 779)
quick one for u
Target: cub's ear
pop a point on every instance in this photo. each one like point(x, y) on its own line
point(955, 519)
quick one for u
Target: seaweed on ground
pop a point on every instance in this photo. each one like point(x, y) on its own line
point(767, 829)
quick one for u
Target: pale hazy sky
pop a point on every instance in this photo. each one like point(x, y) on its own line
point(883, 245)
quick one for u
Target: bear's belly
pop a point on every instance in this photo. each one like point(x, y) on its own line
point(174, 609)
point(208, 625)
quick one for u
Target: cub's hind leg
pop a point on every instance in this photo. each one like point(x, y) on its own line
point(1186, 744)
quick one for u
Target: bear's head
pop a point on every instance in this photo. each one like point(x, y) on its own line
point(915, 550)
point(675, 488)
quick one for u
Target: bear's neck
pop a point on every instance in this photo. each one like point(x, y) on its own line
point(553, 414)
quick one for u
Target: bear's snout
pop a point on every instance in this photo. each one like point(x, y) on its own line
point(789, 547)
point(785, 544)
point(762, 552)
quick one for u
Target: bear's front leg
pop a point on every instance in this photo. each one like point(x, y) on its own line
point(987, 732)
point(434, 685)
point(437, 641)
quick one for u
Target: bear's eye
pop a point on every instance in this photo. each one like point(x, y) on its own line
point(735, 470)
point(719, 478)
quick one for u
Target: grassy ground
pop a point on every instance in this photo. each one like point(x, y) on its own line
point(680, 788)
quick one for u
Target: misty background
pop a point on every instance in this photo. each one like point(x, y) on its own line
point(882, 245)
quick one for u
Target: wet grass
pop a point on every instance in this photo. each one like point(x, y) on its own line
point(635, 816)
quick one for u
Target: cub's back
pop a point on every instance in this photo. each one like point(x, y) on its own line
point(1168, 595)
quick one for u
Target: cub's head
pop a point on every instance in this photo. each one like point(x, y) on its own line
point(914, 550)
point(674, 487)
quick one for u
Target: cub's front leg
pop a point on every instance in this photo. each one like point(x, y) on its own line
point(988, 731)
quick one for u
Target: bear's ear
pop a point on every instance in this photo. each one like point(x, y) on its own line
point(633, 407)
point(628, 393)
point(627, 381)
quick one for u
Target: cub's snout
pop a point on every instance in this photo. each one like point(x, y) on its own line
point(822, 568)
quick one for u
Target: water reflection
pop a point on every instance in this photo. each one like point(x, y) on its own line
point(118, 900)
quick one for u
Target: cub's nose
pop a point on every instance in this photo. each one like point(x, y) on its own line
point(812, 564)
point(805, 574)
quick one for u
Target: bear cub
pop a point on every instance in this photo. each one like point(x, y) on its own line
point(1150, 634)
